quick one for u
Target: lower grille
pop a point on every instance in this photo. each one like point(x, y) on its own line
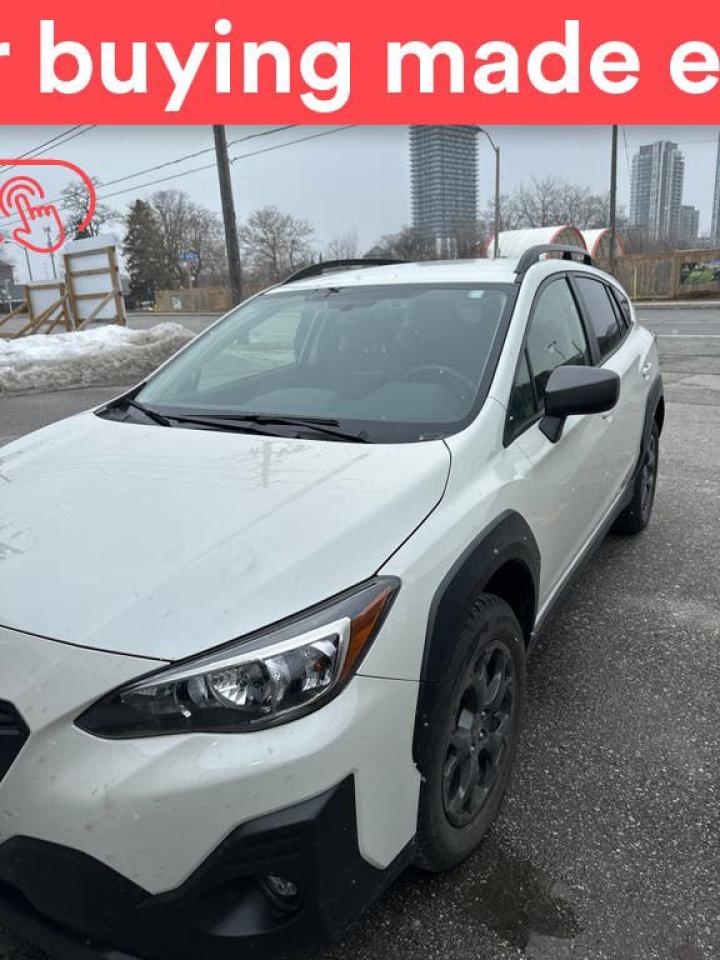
point(13, 734)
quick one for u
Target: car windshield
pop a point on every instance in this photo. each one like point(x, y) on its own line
point(389, 363)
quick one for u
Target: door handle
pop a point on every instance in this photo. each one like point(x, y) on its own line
point(647, 369)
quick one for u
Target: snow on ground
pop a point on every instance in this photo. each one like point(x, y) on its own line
point(102, 356)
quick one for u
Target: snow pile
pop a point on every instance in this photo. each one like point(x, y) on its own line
point(106, 356)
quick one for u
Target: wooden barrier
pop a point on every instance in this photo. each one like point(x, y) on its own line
point(93, 282)
point(91, 291)
point(193, 300)
point(672, 275)
point(46, 305)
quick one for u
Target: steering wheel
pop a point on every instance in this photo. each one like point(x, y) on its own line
point(441, 373)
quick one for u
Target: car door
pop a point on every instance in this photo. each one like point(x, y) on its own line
point(563, 492)
point(618, 350)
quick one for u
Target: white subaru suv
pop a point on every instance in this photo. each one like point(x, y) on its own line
point(265, 617)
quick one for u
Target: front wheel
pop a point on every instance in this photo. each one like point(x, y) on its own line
point(474, 724)
point(636, 516)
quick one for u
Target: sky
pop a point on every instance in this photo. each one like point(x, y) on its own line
point(350, 179)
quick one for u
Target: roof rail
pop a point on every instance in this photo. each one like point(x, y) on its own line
point(533, 254)
point(328, 266)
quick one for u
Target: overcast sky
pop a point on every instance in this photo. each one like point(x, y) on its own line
point(355, 178)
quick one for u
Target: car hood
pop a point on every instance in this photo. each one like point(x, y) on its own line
point(164, 542)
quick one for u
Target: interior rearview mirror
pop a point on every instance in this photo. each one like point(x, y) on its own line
point(577, 390)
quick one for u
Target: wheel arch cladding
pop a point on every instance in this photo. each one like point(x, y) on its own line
point(660, 413)
point(654, 408)
point(505, 560)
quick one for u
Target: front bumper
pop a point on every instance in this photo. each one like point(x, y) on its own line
point(122, 841)
point(76, 908)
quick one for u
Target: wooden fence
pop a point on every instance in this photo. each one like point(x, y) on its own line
point(674, 275)
point(193, 300)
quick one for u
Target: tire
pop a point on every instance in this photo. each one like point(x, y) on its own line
point(489, 654)
point(636, 516)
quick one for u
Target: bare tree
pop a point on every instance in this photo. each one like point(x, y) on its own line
point(191, 236)
point(343, 247)
point(467, 240)
point(511, 215)
point(74, 206)
point(274, 244)
point(206, 240)
point(549, 201)
point(538, 201)
point(409, 244)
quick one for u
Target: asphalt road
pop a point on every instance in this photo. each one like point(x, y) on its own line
point(608, 844)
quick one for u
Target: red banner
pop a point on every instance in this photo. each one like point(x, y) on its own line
point(329, 62)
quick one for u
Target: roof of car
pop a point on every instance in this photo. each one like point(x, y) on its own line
point(426, 271)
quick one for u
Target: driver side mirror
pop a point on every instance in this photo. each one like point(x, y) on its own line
point(577, 390)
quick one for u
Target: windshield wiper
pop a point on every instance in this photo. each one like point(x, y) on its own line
point(150, 414)
point(246, 422)
point(239, 421)
point(324, 425)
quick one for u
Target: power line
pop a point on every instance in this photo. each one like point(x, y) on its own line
point(209, 166)
point(46, 143)
point(57, 141)
point(160, 166)
point(192, 156)
point(169, 163)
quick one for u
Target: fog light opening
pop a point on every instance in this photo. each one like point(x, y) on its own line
point(281, 892)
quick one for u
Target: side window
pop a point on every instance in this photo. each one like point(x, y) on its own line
point(556, 336)
point(600, 312)
point(623, 307)
point(522, 407)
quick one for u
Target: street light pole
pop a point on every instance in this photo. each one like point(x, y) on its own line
point(52, 255)
point(613, 196)
point(496, 150)
point(27, 262)
point(27, 255)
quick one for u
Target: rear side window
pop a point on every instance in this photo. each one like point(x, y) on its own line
point(599, 311)
point(622, 304)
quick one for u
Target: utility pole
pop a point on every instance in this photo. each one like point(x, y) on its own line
point(613, 196)
point(232, 246)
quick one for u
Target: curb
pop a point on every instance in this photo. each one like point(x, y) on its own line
point(676, 304)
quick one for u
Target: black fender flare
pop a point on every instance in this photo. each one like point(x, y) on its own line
point(508, 539)
point(655, 398)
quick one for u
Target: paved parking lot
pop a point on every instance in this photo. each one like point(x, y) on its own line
point(608, 845)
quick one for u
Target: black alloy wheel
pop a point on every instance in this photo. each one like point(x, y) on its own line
point(479, 747)
point(468, 733)
point(636, 515)
point(648, 477)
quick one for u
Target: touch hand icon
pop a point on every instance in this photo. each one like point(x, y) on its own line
point(39, 226)
point(39, 223)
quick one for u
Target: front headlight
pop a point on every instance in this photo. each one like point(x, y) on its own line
point(258, 681)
